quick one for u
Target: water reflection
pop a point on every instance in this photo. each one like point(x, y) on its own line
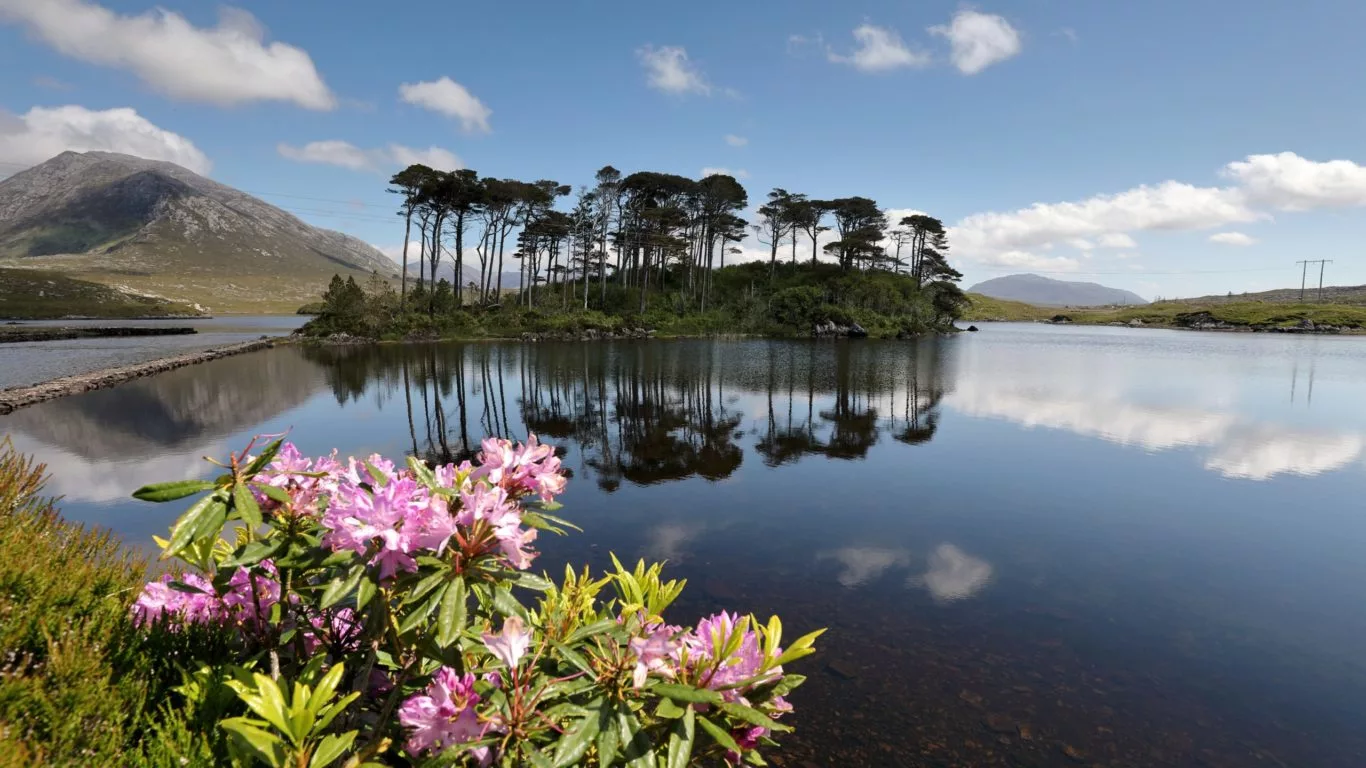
point(954, 574)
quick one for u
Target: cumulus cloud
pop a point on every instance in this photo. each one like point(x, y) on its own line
point(228, 64)
point(739, 173)
point(44, 132)
point(978, 40)
point(954, 574)
point(1293, 183)
point(451, 99)
point(668, 69)
point(1232, 238)
point(347, 155)
point(879, 50)
point(736, 141)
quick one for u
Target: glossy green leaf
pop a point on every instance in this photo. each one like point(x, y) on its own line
point(608, 737)
point(267, 456)
point(668, 710)
point(339, 588)
point(365, 590)
point(718, 734)
point(531, 581)
point(420, 614)
point(178, 489)
point(450, 622)
point(265, 744)
point(426, 585)
point(507, 605)
point(244, 504)
point(681, 741)
point(574, 744)
point(183, 532)
point(589, 630)
point(330, 748)
point(254, 552)
point(574, 658)
point(272, 492)
point(688, 694)
point(752, 716)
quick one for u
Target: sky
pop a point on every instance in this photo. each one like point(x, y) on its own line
point(1168, 147)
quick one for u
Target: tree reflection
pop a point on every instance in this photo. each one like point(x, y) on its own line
point(655, 412)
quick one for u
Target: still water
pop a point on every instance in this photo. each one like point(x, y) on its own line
point(31, 362)
point(1032, 545)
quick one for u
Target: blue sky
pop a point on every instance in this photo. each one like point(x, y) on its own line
point(1108, 141)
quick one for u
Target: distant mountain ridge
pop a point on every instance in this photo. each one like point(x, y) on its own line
point(1043, 291)
point(446, 271)
point(161, 229)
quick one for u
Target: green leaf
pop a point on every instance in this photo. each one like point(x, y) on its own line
point(378, 477)
point(265, 744)
point(252, 553)
point(752, 716)
point(339, 588)
point(269, 702)
point(426, 585)
point(365, 590)
point(327, 687)
point(183, 532)
point(574, 744)
point(536, 756)
point(585, 632)
point(608, 738)
point(681, 741)
point(573, 657)
point(532, 581)
point(719, 735)
point(421, 471)
point(272, 492)
point(506, 604)
point(688, 694)
point(267, 456)
point(244, 504)
point(330, 748)
point(800, 648)
point(450, 622)
point(637, 744)
point(176, 489)
point(420, 613)
point(668, 710)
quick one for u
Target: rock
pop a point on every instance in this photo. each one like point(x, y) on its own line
point(841, 669)
point(1135, 323)
point(1073, 754)
point(856, 331)
point(1060, 319)
point(970, 697)
point(999, 723)
point(972, 329)
point(1026, 731)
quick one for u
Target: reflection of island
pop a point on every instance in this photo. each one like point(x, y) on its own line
point(650, 413)
point(1236, 446)
point(102, 444)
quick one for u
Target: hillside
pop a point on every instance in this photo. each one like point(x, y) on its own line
point(1046, 292)
point(987, 309)
point(1332, 294)
point(446, 270)
point(155, 228)
point(40, 295)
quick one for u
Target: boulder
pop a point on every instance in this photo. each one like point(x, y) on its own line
point(972, 329)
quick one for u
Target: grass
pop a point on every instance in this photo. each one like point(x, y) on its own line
point(985, 308)
point(1242, 314)
point(40, 295)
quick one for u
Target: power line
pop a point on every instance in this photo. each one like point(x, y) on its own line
point(1305, 272)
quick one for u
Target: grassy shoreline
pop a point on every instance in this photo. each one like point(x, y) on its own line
point(1250, 316)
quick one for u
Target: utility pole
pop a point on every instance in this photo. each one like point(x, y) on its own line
point(1304, 273)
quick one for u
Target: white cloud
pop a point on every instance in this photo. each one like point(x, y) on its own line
point(979, 40)
point(347, 155)
point(450, 99)
point(1117, 240)
point(43, 132)
point(1081, 244)
point(1232, 238)
point(879, 50)
point(1290, 182)
point(225, 65)
point(668, 69)
point(736, 141)
point(1069, 33)
point(739, 173)
point(954, 574)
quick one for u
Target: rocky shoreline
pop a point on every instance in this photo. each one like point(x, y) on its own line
point(12, 399)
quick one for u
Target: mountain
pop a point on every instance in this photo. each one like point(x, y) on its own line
point(156, 228)
point(1043, 291)
point(446, 270)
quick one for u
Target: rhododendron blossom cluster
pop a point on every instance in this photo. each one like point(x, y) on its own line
point(377, 613)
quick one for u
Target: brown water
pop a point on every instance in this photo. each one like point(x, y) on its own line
point(1032, 545)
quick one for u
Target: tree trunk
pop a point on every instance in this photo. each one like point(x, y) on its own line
point(459, 277)
point(502, 240)
point(403, 284)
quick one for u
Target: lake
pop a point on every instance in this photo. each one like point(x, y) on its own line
point(1032, 545)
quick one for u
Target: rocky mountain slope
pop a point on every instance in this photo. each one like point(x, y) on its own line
point(156, 228)
point(1043, 291)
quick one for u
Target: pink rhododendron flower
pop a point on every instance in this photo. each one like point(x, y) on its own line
point(510, 645)
point(159, 600)
point(708, 640)
point(293, 472)
point(242, 600)
point(443, 715)
point(654, 653)
point(531, 468)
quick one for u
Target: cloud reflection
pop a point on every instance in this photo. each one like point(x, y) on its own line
point(954, 575)
point(865, 564)
point(1238, 448)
